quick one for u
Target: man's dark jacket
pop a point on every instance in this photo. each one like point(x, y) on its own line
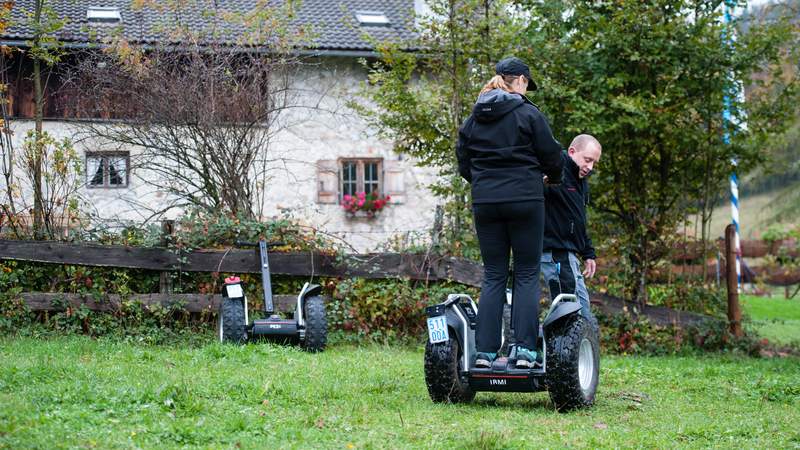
point(504, 147)
point(565, 213)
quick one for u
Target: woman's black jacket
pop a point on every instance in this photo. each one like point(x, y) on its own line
point(504, 147)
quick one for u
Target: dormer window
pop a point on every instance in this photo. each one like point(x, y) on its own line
point(99, 14)
point(372, 18)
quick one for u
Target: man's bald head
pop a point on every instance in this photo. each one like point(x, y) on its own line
point(585, 150)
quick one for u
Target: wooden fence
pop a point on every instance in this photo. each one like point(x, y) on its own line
point(376, 265)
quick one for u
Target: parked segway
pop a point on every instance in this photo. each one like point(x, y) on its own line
point(308, 327)
point(568, 370)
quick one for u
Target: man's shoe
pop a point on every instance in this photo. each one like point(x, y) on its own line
point(526, 359)
point(484, 360)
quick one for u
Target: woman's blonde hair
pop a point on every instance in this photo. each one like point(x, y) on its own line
point(499, 82)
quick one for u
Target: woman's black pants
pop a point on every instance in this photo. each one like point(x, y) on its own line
point(503, 228)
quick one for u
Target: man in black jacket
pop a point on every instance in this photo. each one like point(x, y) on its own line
point(566, 240)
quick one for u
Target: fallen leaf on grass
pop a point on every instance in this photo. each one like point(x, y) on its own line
point(265, 402)
point(320, 423)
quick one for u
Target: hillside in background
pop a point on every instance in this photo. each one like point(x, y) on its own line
point(758, 212)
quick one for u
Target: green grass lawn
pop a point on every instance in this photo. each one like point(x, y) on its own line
point(775, 318)
point(79, 392)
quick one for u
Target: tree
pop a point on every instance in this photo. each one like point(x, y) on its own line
point(60, 169)
point(40, 152)
point(420, 99)
point(8, 211)
point(44, 49)
point(648, 79)
point(202, 105)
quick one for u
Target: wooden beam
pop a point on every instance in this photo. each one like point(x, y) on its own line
point(375, 265)
point(195, 303)
point(751, 248)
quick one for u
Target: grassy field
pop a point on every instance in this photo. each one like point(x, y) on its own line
point(79, 392)
point(775, 318)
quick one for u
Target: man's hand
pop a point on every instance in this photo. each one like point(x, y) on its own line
point(590, 266)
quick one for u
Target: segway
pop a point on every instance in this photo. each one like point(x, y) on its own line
point(568, 342)
point(308, 327)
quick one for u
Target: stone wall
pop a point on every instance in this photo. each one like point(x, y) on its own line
point(321, 134)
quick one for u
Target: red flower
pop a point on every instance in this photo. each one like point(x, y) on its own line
point(369, 203)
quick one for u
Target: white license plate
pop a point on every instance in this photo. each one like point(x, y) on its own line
point(234, 290)
point(437, 329)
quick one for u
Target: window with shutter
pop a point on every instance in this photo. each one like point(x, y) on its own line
point(360, 175)
point(349, 176)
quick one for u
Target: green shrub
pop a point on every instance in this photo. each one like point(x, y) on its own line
point(686, 296)
point(626, 334)
point(386, 310)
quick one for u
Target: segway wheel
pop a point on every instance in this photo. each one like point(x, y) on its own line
point(231, 326)
point(443, 366)
point(316, 325)
point(573, 363)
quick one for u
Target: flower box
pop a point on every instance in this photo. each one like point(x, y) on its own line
point(364, 205)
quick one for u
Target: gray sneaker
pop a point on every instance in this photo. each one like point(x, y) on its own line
point(526, 359)
point(484, 360)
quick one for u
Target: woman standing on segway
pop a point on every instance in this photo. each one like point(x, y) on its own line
point(503, 150)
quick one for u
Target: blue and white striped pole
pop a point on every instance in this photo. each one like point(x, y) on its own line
point(735, 218)
point(726, 116)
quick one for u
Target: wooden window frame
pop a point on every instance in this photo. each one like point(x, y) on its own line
point(360, 171)
point(104, 156)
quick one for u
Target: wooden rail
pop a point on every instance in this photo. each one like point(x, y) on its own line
point(376, 265)
point(194, 303)
point(750, 249)
point(197, 303)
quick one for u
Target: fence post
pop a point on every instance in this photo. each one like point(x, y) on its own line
point(734, 313)
point(165, 280)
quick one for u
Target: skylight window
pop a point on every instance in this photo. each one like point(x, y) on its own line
point(372, 18)
point(103, 14)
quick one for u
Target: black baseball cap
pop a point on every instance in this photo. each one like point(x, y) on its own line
point(515, 66)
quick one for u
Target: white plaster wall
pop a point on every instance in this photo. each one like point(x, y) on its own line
point(326, 132)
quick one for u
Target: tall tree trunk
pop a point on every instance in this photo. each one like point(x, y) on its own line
point(640, 261)
point(455, 108)
point(706, 213)
point(38, 212)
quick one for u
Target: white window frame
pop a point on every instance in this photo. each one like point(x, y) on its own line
point(105, 158)
point(95, 14)
point(372, 18)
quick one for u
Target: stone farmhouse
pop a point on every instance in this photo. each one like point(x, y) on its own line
point(324, 155)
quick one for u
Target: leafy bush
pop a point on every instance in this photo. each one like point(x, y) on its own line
point(686, 296)
point(385, 310)
point(627, 334)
